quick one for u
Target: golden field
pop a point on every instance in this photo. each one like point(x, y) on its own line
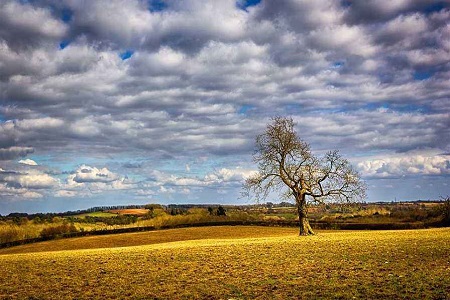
point(240, 262)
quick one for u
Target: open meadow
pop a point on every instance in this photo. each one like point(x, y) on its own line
point(232, 263)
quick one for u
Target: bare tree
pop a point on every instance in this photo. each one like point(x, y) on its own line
point(286, 164)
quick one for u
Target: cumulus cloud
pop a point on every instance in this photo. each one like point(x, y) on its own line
point(87, 180)
point(86, 174)
point(18, 193)
point(24, 25)
point(30, 179)
point(406, 165)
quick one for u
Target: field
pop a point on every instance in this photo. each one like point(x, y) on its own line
point(17, 227)
point(233, 263)
point(135, 212)
point(100, 214)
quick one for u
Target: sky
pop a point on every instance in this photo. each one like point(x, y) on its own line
point(132, 102)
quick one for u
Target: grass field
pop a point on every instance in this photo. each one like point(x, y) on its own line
point(233, 263)
point(102, 214)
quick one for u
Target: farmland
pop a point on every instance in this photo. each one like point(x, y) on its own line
point(233, 262)
point(20, 227)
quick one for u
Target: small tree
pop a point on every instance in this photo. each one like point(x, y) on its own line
point(210, 210)
point(286, 164)
point(446, 211)
point(221, 211)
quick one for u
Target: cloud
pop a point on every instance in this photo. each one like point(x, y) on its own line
point(30, 179)
point(407, 165)
point(225, 176)
point(231, 175)
point(131, 165)
point(18, 193)
point(378, 129)
point(204, 78)
point(87, 180)
point(87, 174)
point(129, 103)
point(14, 152)
point(374, 11)
point(24, 25)
point(131, 24)
point(28, 162)
point(65, 193)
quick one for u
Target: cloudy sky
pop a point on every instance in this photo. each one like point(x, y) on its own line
point(132, 102)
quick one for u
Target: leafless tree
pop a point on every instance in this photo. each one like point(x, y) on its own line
point(286, 164)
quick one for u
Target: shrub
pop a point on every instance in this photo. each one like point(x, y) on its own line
point(56, 231)
point(210, 211)
point(178, 211)
point(117, 220)
point(20, 220)
point(9, 234)
point(221, 211)
point(445, 211)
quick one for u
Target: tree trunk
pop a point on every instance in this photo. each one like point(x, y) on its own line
point(305, 228)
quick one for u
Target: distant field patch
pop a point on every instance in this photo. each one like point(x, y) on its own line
point(400, 264)
point(98, 214)
point(135, 211)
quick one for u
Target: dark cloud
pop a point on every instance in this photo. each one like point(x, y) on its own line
point(24, 26)
point(131, 165)
point(14, 152)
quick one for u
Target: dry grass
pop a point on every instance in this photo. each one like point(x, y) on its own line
point(12, 232)
point(335, 265)
point(153, 237)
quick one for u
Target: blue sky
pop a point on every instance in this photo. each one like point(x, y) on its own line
point(133, 102)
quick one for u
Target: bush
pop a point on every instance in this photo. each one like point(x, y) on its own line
point(445, 211)
point(10, 234)
point(57, 231)
point(221, 211)
point(178, 211)
point(117, 220)
point(20, 220)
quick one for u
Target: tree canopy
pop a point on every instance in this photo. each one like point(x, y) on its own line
point(287, 165)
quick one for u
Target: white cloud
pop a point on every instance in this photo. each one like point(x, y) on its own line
point(353, 39)
point(406, 165)
point(65, 193)
point(88, 180)
point(18, 193)
point(225, 176)
point(231, 175)
point(28, 162)
point(88, 174)
point(30, 184)
point(31, 179)
point(37, 124)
